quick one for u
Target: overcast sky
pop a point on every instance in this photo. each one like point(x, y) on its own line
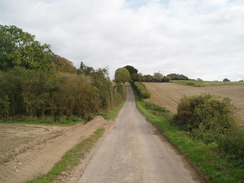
point(198, 38)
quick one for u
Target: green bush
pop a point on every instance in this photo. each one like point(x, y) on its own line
point(233, 143)
point(211, 119)
point(145, 94)
point(205, 112)
point(121, 89)
point(142, 90)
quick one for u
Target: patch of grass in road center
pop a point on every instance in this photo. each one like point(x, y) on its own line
point(215, 165)
point(70, 159)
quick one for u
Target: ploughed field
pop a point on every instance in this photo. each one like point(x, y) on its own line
point(168, 95)
point(27, 151)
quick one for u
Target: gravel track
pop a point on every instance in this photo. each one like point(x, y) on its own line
point(134, 152)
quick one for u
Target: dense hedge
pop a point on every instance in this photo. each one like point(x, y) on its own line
point(211, 119)
point(142, 90)
point(205, 111)
point(26, 92)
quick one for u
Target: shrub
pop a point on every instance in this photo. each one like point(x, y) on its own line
point(211, 119)
point(145, 94)
point(121, 89)
point(142, 90)
point(233, 143)
point(205, 112)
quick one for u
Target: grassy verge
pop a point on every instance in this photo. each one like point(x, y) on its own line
point(70, 159)
point(218, 167)
point(204, 83)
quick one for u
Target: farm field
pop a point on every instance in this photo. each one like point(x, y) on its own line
point(205, 83)
point(26, 151)
point(168, 95)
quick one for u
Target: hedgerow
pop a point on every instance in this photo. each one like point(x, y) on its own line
point(142, 90)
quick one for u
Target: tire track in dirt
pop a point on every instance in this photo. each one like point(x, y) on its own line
point(41, 158)
point(16, 139)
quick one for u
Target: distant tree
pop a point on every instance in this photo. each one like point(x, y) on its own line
point(158, 76)
point(183, 77)
point(175, 76)
point(122, 75)
point(199, 79)
point(165, 79)
point(20, 49)
point(148, 78)
point(131, 69)
point(64, 65)
point(137, 77)
point(226, 80)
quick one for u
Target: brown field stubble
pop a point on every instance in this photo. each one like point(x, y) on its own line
point(168, 95)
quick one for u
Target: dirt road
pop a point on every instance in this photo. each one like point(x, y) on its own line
point(134, 152)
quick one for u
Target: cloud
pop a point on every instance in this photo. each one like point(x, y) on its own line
point(201, 39)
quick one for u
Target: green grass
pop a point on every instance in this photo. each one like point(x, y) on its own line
point(70, 159)
point(204, 83)
point(216, 166)
point(113, 113)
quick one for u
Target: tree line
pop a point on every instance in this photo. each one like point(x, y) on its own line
point(156, 77)
point(36, 82)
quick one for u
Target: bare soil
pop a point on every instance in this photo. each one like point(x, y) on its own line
point(168, 95)
point(27, 151)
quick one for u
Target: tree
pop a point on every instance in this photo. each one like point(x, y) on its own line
point(85, 69)
point(165, 79)
point(175, 76)
point(64, 65)
point(18, 48)
point(158, 76)
point(226, 80)
point(148, 78)
point(131, 69)
point(122, 75)
point(102, 82)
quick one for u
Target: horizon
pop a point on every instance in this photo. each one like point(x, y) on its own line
point(199, 39)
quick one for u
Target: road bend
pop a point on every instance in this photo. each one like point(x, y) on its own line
point(133, 152)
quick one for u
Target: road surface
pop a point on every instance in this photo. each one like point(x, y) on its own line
point(134, 153)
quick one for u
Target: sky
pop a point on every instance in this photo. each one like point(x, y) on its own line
point(198, 38)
